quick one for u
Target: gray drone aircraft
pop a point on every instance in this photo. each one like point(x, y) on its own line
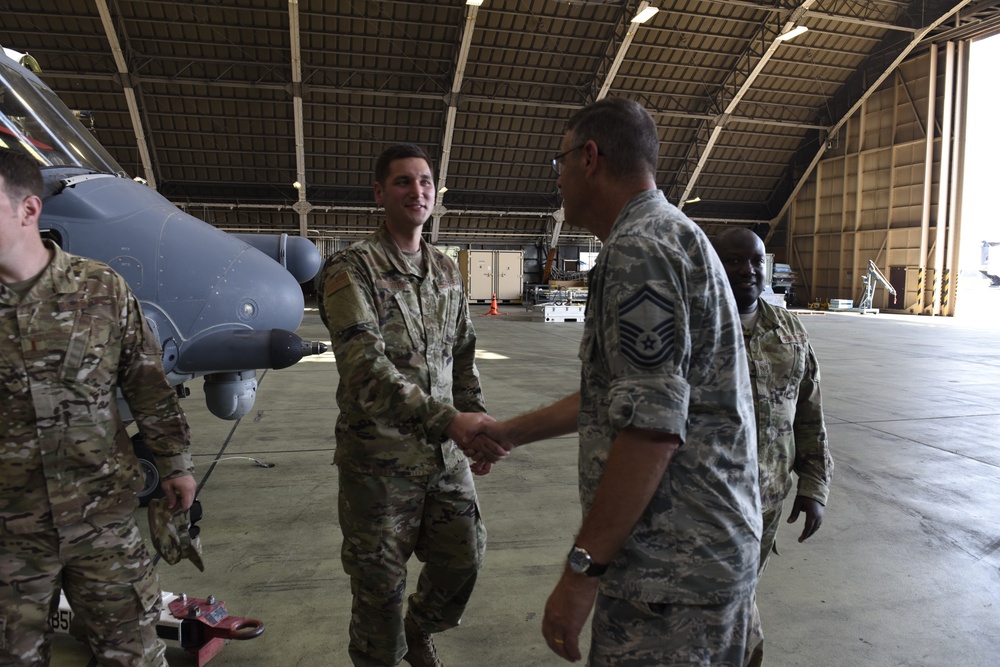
point(222, 305)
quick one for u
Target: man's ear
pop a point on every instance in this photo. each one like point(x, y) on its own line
point(591, 151)
point(32, 210)
point(378, 193)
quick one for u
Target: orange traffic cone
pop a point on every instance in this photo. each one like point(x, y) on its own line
point(493, 307)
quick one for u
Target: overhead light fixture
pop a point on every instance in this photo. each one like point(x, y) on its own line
point(443, 189)
point(297, 185)
point(474, 3)
point(792, 34)
point(692, 201)
point(645, 13)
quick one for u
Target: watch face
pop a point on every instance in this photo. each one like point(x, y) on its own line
point(579, 560)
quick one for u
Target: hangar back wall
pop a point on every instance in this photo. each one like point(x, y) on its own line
point(888, 189)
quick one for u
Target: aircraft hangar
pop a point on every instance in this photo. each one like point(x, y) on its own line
point(843, 145)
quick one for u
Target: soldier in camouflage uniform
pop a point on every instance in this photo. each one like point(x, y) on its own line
point(668, 460)
point(71, 334)
point(791, 433)
point(405, 348)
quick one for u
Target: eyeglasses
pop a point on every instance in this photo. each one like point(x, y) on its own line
point(557, 160)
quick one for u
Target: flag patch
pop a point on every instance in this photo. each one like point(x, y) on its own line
point(335, 284)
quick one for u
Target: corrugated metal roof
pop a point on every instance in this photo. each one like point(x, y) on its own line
point(741, 115)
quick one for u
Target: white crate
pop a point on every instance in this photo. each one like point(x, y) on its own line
point(553, 313)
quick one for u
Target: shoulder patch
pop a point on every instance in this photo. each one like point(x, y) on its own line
point(337, 283)
point(646, 328)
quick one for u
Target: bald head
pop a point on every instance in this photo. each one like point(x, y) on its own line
point(742, 254)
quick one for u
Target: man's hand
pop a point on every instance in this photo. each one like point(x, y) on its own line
point(492, 444)
point(465, 426)
point(566, 612)
point(179, 490)
point(480, 468)
point(484, 449)
point(814, 515)
point(467, 430)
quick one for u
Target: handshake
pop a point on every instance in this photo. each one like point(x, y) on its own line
point(483, 439)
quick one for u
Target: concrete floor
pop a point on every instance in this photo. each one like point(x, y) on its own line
point(905, 570)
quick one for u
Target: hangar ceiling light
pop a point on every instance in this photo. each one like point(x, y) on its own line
point(645, 13)
point(792, 34)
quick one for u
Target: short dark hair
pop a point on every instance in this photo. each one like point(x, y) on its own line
point(624, 132)
point(729, 232)
point(397, 152)
point(21, 176)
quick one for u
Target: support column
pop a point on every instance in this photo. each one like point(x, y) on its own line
point(944, 179)
point(957, 178)
point(925, 214)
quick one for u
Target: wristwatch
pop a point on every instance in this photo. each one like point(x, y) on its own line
point(581, 562)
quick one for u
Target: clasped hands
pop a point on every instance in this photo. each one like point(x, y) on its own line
point(483, 439)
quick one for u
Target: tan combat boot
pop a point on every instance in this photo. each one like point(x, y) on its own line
point(420, 650)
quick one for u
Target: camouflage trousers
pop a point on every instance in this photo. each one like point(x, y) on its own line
point(630, 633)
point(384, 521)
point(108, 577)
point(754, 656)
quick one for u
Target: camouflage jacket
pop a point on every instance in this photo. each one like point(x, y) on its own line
point(405, 350)
point(791, 433)
point(74, 339)
point(662, 350)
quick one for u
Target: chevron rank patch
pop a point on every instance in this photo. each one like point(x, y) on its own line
point(646, 326)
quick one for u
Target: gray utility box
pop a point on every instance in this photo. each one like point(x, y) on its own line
point(489, 272)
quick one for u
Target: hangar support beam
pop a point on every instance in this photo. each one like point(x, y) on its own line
point(872, 14)
point(453, 100)
point(129, 85)
point(728, 96)
point(302, 206)
point(630, 29)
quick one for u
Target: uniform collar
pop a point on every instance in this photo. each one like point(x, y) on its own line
point(767, 315)
point(58, 277)
point(398, 258)
point(60, 274)
point(636, 202)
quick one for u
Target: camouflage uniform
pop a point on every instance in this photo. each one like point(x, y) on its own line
point(405, 351)
point(791, 433)
point(68, 476)
point(662, 350)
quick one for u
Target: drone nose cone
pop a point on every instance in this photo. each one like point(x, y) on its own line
point(211, 279)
